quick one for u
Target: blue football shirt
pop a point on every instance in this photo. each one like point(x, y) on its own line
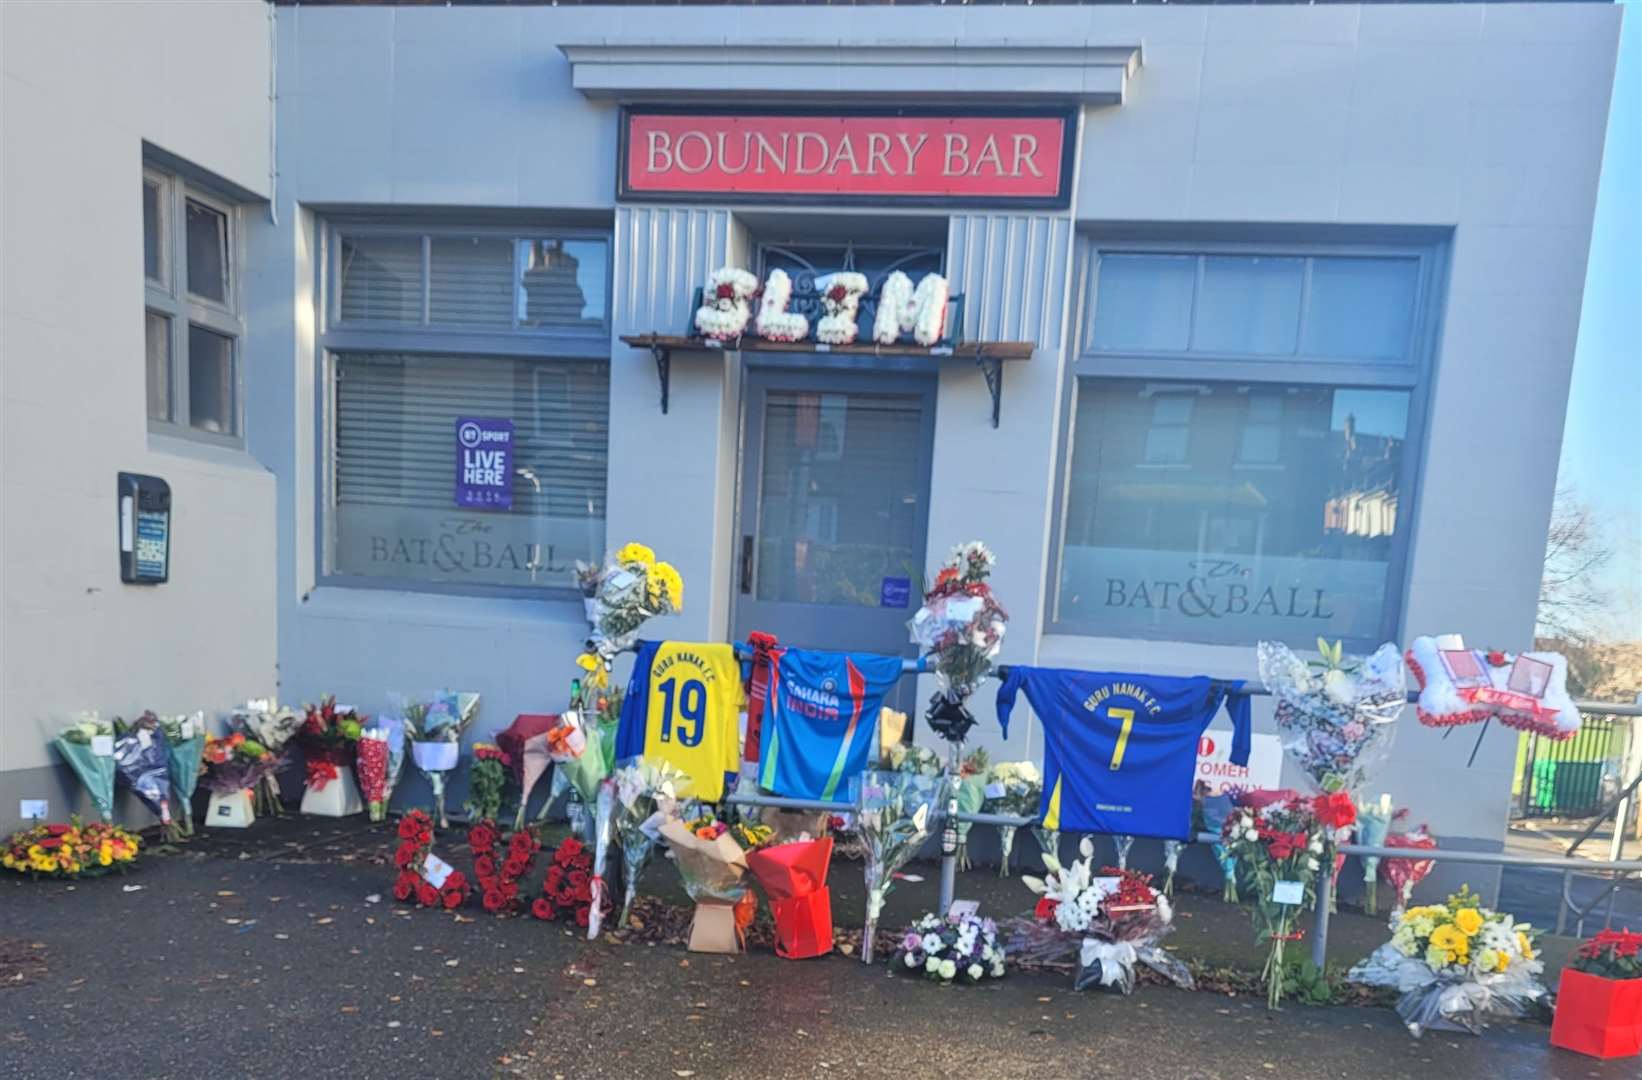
point(821, 724)
point(1119, 749)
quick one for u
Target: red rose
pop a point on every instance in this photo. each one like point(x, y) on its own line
point(510, 890)
point(1496, 658)
point(453, 899)
point(725, 292)
point(456, 880)
point(582, 916)
point(1045, 911)
point(403, 891)
point(407, 829)
point(541, 908)
point(425, 836)
point(569, 848)
point(488, 882)
point(583, 894)
point(514, 867)
point(427, 895)
point(493, 900)
point(485, 866)
point(555, 877)
point(578, 878)
point(837, 293)
point(404, 856)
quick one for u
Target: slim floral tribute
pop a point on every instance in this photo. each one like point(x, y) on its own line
point(894, 814)
point(1106, 922)
point(903, 309)
point(70, 851)
point(567, 886)
point(184, 748)
point(962, 626)
point(435, 731)
point(1456, 964)
point(273, 727)
point(1279, 850)
point(1335, 715)
point(963, 949)
point(428, 883)
point(1015, 788)
point(88, 747)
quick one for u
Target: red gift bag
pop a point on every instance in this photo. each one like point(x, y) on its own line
point(794, 877)
point(803, 925)
point(1597, 1016)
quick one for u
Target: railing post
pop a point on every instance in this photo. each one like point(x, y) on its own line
point(1319, 936)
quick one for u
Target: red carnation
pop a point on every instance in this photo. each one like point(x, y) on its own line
point(1045, 911)
point(57, 830)
point(427, 895)
point(541, 908)
point(1335, 811)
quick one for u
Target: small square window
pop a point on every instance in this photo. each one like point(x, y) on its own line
point(158, 334)
point(153, 232)
point(207, 252)
point(211, 405)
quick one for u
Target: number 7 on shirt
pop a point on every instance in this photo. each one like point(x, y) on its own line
point(1128, 718)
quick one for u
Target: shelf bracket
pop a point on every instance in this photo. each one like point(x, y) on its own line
point(992, 369)
point(664, 371)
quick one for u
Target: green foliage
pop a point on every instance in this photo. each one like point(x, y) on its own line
point(1305, 982)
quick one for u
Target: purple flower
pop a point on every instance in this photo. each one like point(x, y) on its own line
point(910, 942)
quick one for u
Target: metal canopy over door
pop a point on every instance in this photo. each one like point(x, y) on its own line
point(834, 510)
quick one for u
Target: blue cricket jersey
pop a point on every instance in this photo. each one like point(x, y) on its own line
point(1120, 750)
point(821, 724)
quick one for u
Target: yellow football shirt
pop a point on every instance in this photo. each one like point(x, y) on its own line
point(693, 713)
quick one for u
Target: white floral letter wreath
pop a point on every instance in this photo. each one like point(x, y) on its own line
point(902, 309)
point(775, 322)
point(841, 298)
point(724, 309)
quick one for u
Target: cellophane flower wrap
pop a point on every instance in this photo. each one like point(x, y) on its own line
point(1373, 825)
point(971, 785)
point(1015, 788)
point(620, 596)
point(525, 743)
point(1279, 850)
point(1455, 965)
point(1105, 923)
point(70, 850)
point(235, 763)
point(329, 737)
point(371, 770)
point(263, 722)
point(1404, 875)
point(1336, 715)
point(185, 749)
point(646, 794)
point(960, 623)
point(946, 949)
point(88, 747)
point(894, 814)
point(435, 730)
point(140, 760)
point(1216, 809)
point(711, 856)
point(487, 779)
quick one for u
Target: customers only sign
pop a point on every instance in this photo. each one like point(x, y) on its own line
point(484, 463)
point(1214, 766)
point(985, 158)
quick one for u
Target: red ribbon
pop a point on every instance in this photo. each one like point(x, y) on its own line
point(1293, 936)
point(320, 773)
point(1509, 699)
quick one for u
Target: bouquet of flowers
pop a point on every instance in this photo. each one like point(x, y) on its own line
point(912, 758)
point(1373, 823)
point(1171, 863)
point(525, 743)
point(329, 737)
point(567, 887)
point(1108, 922)
point(646, 794)
point(424, 877)
point(894, 814)
point(712, 860)
point(1404, 874)
point(964, 949)
point(582, 751)
point(499, 873)
point(962, 626)
point(1123, 843)
point(1335, 715)
point(1278, 848)
point(371, 758)
point(1336, 813)
point(1012, 787)
point(235, 764)
point(620, 596)
point(487, 777)
point(269, 726)
point(184, 747)
point(1599, 1000)
point(70, 851)
point(1456, 964)
point(435, 729)
point(88, 747)
point(1216, 809)
point(141, 760)
point(971, 781)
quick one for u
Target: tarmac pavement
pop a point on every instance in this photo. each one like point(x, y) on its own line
point(280, 952)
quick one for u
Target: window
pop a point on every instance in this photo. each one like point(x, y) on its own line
point(431, 329)
point(193, 327)
point(1241, 458)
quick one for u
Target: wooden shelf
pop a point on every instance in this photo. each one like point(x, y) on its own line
point(988, 355)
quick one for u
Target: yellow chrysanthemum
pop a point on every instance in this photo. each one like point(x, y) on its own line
point(635, 553)
point(670, 582)
point(1524, 946)
point(1469, 920)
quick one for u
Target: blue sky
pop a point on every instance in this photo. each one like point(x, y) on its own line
point(1602, 447)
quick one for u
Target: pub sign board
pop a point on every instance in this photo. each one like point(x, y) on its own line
point(883, 157)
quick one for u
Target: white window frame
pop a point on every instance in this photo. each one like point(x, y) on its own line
point(337, 339)
point(1412, 373)
point(169, 297)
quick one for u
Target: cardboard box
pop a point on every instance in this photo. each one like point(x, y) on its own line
point(713, 930)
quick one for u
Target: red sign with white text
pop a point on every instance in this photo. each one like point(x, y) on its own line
point(1018, 159)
